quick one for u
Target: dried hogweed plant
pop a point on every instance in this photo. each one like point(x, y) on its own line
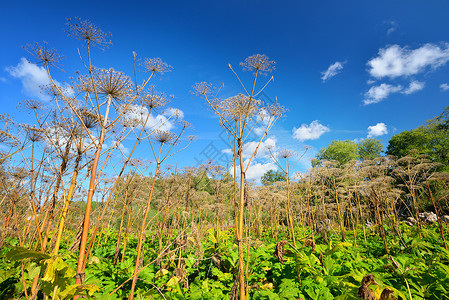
point(237, 115)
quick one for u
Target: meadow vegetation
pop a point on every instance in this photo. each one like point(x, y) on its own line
point(357, 225)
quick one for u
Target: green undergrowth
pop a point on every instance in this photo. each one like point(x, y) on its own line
point(417, 266)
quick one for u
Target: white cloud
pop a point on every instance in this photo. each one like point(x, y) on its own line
point(333, 70)
point(259, 130)
point(122, 148)
point(2, 79)
point(262, 151)
point(140, 113)
point(227, 151)
point(444, 87)
point(392, 26)
point(309, 132)
point(255, 170)
point(378, 93)
point(377, 130)
point(174, 113)
point(414, 87)
point(33, 78)
point(394, 61)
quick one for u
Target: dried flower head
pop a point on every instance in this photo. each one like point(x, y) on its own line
point(285, 153)
point(156, 65)
point(136, 162)
point(33, 133)
point(270, 148)
point(6, 118)
point(86, 31)
point(164, 137)
point(154, 100)
point(214, 171)
point(202, 89)
point(112, 83)
point(59, 92)
point(185, 124)
point(7, 138)
point(134, 115)
point(20, 173)
point(32, 104)
point(238, 106)
point(258, 63)
point(132, 122)
point(83, 84)
point(44, 55)
point(50, 90)
point(89, 117)
point(275, 110)
point(192, 138)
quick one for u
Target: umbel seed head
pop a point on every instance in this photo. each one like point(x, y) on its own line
point(86, 31)
point(163, 136)
point(112, 83)
point(259, 63)
point(156, 65)
point(44, 55)
point(202, 89)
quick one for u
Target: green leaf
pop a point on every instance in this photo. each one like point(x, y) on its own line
point(19, 253)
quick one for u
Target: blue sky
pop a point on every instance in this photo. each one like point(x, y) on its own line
point(344, 69)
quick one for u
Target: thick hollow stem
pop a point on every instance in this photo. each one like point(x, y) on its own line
point(142, 233)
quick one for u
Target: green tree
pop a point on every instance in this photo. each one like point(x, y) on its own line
point(340, 151)
point(272, 176)
point(431, 139)
point(401, 144)
point(369, 148)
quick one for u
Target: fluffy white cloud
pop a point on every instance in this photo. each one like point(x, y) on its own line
point(174, 113)
point(394, 61)
point(250, 147)
point(259, 130)
point(378, 93)
point(262, 151)
point(333, 70)
point(33, 77)
point(255, 170)
point(414, 87)
point(309, 132)
point(377, 130)
point(444, 87)
point(140, 114)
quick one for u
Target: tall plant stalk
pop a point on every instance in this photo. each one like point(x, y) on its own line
point(242, 110)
